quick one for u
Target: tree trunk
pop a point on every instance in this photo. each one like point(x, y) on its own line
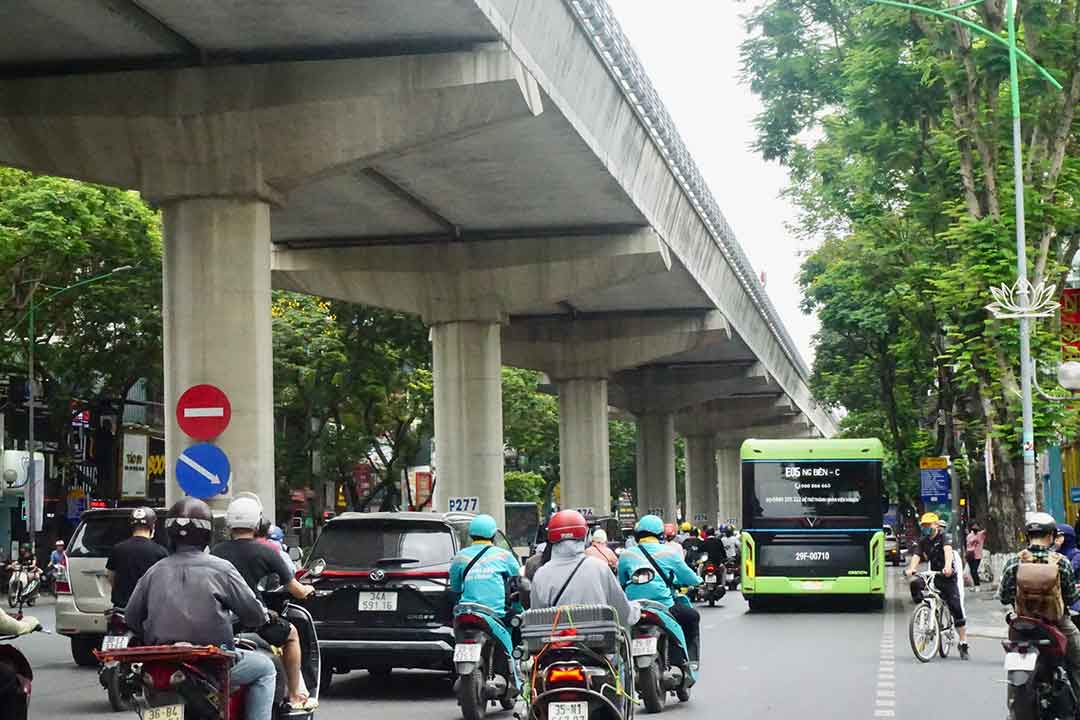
point(1006, 521)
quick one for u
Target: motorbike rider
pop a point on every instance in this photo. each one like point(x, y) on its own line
point(730, 541)
point(670, 572)
point(576, 577)
point(190, 596)
point(936, 548)
point(255, 561)
point(598, 547)
point(1066, 545)
point(131, 558)
point(713, 548)
point(1040, 529)
point(480, 575)
point(57, 563)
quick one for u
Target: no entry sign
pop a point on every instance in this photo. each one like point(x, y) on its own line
point(203, 412)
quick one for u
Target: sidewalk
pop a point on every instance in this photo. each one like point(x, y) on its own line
point(985, 613)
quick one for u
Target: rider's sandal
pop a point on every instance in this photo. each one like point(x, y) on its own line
point(307, 703)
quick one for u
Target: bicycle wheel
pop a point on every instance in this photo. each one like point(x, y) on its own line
point(948, 631)
point(923, 632)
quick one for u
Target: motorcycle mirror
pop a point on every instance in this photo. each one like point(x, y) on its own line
point(269, 583)
point(295, 554)
point(317, 568)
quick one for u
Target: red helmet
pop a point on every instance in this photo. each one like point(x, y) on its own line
point(567, 525)
point(670, 530)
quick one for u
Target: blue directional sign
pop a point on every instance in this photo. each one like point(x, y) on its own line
point(202, 471)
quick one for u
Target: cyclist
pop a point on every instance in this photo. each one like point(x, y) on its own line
point(936, 548)
point(1040, 529)
point(131, 558)
point(671, 572)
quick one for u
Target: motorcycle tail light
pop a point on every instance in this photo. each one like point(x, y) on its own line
point(566, 675)
point(650, 617)
point(470, 619)
point(160, 677)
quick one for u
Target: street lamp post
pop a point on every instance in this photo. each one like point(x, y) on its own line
point(1023, 307)
point(31, 469)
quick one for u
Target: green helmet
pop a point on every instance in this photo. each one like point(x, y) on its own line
point(482, 526)
point(650, 525)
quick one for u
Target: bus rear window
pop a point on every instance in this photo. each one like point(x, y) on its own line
point(840, 490)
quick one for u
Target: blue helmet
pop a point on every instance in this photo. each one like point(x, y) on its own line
point(482, 526)
point(650, 525)
point(276, 534)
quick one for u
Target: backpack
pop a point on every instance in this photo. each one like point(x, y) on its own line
point(1038, 588)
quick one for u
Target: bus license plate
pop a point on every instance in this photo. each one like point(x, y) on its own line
point(165, 712)
point(465, 652)
point(812, 585)
point(1021, 661)
point(568, 711)
point(377, 602)
point(115, 642)
point(643, 646)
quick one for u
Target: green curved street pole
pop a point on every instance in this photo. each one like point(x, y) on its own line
point(32, 511)
point(1023, 286)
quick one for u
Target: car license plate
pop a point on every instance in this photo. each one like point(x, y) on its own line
point(812, 585)
point(568, 711)
point(710, 578)
point(115, 642)
point(1021, 661)
point(643, 646)
point(467, 652)
point(377, 602)
point(166, 712)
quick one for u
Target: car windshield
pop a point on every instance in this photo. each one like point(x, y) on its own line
point(363, 543)
point(97, 535)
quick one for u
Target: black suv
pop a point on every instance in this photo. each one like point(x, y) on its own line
point(389, 605)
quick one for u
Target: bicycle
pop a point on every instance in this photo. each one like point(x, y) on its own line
point(931, 628)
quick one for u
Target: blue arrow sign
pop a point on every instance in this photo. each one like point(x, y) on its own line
point(202, 471)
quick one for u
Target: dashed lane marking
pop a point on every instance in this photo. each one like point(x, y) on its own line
point(885, 691)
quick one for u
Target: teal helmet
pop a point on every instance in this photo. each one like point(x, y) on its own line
point(482, 526)
point(650, 525)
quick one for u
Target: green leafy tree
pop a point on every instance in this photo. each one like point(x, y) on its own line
point(531, 427)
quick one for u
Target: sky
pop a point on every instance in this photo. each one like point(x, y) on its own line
point(690, 49)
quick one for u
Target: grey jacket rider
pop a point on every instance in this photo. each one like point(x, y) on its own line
point(592, 584)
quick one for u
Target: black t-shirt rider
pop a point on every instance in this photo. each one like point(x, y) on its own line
point(932, 550)
point(129, 561)
point(253, 559)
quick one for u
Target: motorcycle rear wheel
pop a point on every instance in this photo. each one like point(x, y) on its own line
point(112, 688)
point(471, 695)
point(1020, 704)
point(650, 687)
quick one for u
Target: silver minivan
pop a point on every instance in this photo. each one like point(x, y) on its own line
point(81, 602)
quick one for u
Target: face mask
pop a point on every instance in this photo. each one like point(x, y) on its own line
point(927, 531)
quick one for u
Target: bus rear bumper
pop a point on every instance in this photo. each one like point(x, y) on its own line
point(811, 586)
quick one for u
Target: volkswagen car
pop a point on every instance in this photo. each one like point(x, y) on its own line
point(383, 600)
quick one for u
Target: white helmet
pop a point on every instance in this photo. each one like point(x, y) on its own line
point(244, 512)
point(599, 535)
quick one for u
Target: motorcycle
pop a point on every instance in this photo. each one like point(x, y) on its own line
point(715, 587)
point(23, 587)
point(580, 657)
point(651, 647)
point(16, 680)
point(1036, 672)
point(118, 685)
point(731, 570)
point(194, 683)
point(484, 671)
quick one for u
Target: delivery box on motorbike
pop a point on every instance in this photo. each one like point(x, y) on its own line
point(595, 626)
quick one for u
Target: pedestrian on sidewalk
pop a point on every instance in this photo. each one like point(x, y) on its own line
point(1066, 545)
point(976, 538)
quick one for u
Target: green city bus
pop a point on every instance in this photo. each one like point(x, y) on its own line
point(812, 519)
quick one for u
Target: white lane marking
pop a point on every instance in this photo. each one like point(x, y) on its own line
point(194, 412)
point(214, 479)
point(884, 704)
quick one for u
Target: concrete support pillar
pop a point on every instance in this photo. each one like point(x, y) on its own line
point(656, 465)
point(729, 472)
point(467, 364)
point(216, 316)
point(585, 466)
point(702, 498)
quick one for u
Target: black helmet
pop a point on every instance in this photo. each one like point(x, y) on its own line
point(1040, 524)
point(190, 522)
point(143, 517)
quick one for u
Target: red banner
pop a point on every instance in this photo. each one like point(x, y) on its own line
point(1070, 323)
